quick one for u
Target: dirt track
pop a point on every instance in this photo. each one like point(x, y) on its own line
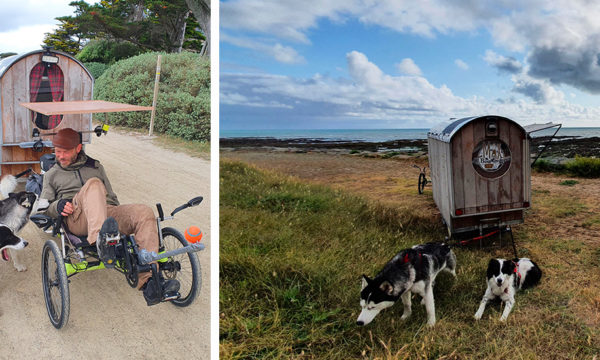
point(108, 318)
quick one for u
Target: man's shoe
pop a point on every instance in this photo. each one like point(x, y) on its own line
point(154, 295)
point(170, 290)
point(108, 237)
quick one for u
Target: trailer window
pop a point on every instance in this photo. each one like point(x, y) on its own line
point(491, 158)
point(46, 83)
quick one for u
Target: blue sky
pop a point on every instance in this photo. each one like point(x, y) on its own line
point(407, 64)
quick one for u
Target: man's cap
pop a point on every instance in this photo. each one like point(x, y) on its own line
point(66, 139)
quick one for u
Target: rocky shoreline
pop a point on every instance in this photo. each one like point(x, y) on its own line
point(561, 147)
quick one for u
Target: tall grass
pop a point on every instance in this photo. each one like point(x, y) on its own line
point(585, 167)
point(291, 258)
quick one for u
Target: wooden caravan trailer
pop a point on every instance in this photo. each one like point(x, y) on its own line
point(38, 76)
point(481, 174)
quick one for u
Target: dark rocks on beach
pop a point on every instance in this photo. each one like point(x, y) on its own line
point(559, 147)
point(405, 146)
point(566, 147)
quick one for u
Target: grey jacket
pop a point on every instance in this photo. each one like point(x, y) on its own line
point(64, 183)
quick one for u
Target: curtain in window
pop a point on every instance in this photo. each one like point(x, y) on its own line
point(57, 87)
point(35, 80)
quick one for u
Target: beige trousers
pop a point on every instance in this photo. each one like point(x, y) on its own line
point(90, 210)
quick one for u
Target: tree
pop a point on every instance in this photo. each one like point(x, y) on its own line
point(66, 38)
point(156, 25)
point(201, 11)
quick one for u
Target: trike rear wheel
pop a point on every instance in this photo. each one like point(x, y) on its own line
point(183, 267)
point(55, 284)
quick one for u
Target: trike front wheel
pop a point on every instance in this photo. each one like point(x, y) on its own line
point(55, 284)
point(183, 267)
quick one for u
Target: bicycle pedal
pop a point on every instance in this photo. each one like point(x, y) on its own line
point(171, 296)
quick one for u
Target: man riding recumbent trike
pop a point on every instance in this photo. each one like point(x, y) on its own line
point(97, 232)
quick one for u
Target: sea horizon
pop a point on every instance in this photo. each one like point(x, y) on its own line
point(377, 135)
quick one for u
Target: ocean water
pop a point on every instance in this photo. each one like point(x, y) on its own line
point(377, 135)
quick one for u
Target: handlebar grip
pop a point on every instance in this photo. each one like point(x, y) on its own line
point(161, 214)
point(57, 225)
point(184, 206)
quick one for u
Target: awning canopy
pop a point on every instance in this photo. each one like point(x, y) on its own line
point(81, 107)
point(538, 127)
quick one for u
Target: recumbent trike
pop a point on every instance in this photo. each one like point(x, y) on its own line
point(176, 259)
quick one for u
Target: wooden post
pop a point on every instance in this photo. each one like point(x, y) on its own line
point(156, 80)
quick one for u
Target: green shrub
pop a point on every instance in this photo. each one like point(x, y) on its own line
point(584, 167)
point(183, 104)
point(107, 51)
point(96, 68)
point(568, 182)
point(543, 165)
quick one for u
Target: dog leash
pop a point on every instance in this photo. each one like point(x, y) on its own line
point(517, 272)
point(512, 239)
point(465, 242)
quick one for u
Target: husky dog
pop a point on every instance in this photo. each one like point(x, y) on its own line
point(505, 278)
point(8, 240)
point(14, 214)
point(410, 271)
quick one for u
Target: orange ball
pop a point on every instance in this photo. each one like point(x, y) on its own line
point(193, 234)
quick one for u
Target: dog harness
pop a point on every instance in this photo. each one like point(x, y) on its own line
point(518, 278)
point(406, 259)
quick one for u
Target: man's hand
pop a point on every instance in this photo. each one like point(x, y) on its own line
point(64, 207)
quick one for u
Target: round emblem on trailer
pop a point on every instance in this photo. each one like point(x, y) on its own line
point(491, 158)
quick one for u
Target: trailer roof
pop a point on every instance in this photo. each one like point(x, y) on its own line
point(8, 61)
point(447, 129)
point(81, 107)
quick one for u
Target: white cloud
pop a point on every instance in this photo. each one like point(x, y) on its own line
point(503, 63)
point(461, 64)
point(281, 53)
point(539, 90)
point(24, 39)
point(408, 67)
point(24, 23)
point(286, 19)
point(286, 54)
point(372, 94)
point(560, 39)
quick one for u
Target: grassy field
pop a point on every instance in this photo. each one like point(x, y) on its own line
point(292, 255)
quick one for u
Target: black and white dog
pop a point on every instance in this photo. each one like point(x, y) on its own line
point(505, 278)
point(14, 214)
point(8, 240)
point(410, 271)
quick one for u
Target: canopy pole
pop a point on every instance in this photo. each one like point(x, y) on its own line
point(156, 80)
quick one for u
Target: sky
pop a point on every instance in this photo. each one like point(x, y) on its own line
point(23, 23)
point(288, 64)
